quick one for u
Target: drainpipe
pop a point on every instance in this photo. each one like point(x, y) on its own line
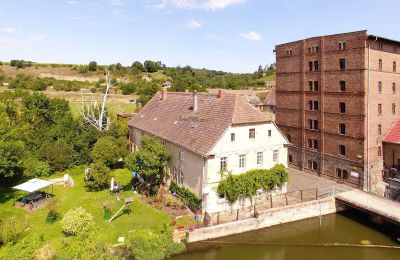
point(368, 91)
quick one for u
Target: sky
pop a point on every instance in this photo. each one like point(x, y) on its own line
point(228, 35)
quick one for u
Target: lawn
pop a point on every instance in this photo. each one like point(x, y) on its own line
point(113, 107)
point(142, 216)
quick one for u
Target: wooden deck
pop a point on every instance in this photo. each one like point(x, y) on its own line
point(375, 205)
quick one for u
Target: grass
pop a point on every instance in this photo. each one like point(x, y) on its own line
point(142, 216)
point(113, 107)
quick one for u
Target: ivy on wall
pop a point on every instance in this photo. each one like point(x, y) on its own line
point(247, 184)
point(186, 195)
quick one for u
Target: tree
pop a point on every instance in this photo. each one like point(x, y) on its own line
point(11, 155)
point(149, 161)
point(137, 66)
point(92, 66)
point(150, 66)
point(107, 151)
point(59, 155)
point(98, 176)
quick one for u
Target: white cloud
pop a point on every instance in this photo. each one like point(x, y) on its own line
point(37, 38)
point(251, 36)
point(196, 4)
point(9, 30)
point(193, 24)
point(72, 2)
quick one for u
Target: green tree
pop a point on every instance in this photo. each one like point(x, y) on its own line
point(59, 155)
point(98, 176)
point(11, 156)
point(138, 67)
point(92, 66)
point(150, 66)
point(149, 161)
point(107, 151)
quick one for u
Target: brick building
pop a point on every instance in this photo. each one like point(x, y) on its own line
point(337, 96)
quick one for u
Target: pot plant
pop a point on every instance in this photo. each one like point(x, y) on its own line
point(107, 211)
point(53, 206)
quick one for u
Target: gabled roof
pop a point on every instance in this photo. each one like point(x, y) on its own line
point(173, 119)
point(270, 99)
point(393, 136)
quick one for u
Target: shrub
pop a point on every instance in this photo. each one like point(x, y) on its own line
point(35, 168)
point(53, 205)
point(145, 244)
point(186, 195)
point(77, 222)
point(247, 184)
point(10, 231)
point(107, 151)
point(98, 176)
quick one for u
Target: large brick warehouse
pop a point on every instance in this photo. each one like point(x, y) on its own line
point(337, 96)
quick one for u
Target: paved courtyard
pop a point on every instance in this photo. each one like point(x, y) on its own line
point(299, 180)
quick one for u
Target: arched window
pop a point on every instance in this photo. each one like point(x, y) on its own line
point(380, 64)
point(393, 108)
point(379, 151)
point(394, 88)
point(394, 66)
point(380, 87)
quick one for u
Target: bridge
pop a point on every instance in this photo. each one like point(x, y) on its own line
point(378, 206)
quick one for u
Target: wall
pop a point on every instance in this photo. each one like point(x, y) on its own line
point(391, 153)
point(268, 218)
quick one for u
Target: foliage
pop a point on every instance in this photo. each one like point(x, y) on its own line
point(46, 252)
point(186, 195)
point(107, 150)
point(246, 185)
point(98, 176)
point(92, 66)
point(53, 206)
point(19, 64)
point(151, 66)
point(77, 222)
point(36, 168)
point(59, 155)
point(147, 91)
point(10, 231)
point(11, 155)
point(149, 161)
point(145, 244)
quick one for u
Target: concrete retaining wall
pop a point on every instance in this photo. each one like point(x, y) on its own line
point(268, 218)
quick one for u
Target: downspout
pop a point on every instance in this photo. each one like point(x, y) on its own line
point(368, 92)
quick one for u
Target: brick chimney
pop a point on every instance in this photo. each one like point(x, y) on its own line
point(220, 93)
point(163, 94)
point(194, 100)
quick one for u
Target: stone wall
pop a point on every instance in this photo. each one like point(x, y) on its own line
point(268, 218)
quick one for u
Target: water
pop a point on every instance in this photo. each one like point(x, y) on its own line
point(349, 227)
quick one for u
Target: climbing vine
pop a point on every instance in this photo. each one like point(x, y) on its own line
point(247, 184)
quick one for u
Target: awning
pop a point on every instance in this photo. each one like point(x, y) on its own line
point(33, 185)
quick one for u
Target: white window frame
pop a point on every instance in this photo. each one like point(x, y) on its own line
point(242, 161)
point(181, 154)
point(260, 158)
point(275, 155)
point(223, 163)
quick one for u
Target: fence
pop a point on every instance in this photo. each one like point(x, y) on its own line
point(269, 201)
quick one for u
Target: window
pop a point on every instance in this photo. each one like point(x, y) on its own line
point(380, 46)
point(315, 105)
point(310, 144)
point(269, 132)
point(316, 144)
point(342, 149)
point(223, 164)
point(289, 52)
point(181, 154)
point(342, 107)
point(312, 124)
point(379, 151)
point(312, 165)
point(175, 176)
point(342, 129)
point(394, 66)
point(310, 85)
point(242, 161)
point(275, 156)
point(379, 129)
point(310, 66)
point(379, 109)
point(342, 85)
point(309, 50)
point(342, 45)
point(180, 177)
point(289, 137)
point(232, 137)
point(310, 105)
point(252, 133)
point(342, 174)
point(380, 87)
point(260, 158)
point(394, 88)
point(316, 49)
point(342, 64)
point(316, 87)
point(393, 108)
point(290, 158)
point(380, 64)
point(316, 65)
point(313, 143)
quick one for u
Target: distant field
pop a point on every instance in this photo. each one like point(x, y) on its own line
point(113, 107)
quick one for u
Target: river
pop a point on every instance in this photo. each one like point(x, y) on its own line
point(297, 240)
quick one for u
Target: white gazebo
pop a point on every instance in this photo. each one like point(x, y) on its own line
point(33, 185)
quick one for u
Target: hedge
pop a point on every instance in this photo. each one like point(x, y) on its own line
point(247, 184)
point(186, 195)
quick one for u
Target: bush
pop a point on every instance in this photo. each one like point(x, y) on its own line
point(35, 168)
point(247, 184)
point(98, 176)
point(186, 195)
point(145, 244)
point(77, 222)
point(10, 231)
point(107, 151)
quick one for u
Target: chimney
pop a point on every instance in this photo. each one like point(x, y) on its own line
point(194, 100)
point(163, 94)
point(220, 93)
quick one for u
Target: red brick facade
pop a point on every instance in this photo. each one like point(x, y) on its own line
point(333, 85)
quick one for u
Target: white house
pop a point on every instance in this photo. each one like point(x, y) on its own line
point(206, 133)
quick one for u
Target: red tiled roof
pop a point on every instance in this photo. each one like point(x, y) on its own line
point(270, 99)
point(172, 119)
point(393, 136)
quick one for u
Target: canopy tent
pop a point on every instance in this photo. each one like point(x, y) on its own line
point(33, 185)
